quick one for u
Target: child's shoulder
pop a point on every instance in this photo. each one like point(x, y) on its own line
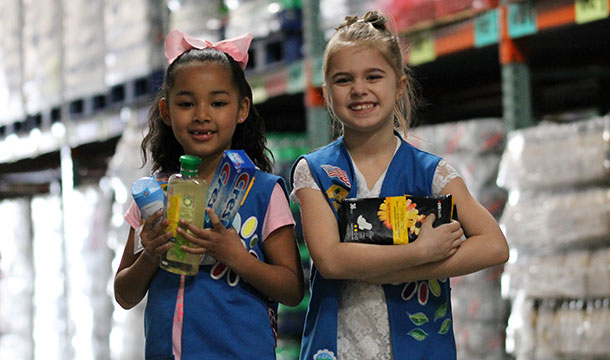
point(261, 174)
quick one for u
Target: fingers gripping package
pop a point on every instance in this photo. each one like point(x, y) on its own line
point(233, 179)
point(391, 220)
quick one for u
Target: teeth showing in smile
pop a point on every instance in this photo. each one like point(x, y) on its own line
point(201, 132)
point(362, 107)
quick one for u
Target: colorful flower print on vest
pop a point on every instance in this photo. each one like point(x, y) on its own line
point(422, 289)
point(249, 239)
point(324, 355)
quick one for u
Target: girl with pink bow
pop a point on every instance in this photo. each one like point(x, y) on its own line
point(229, 309)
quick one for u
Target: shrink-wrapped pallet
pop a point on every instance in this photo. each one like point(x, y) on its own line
point(42, 55)
point(84, 48)
point(134, 36)
point(11, 62)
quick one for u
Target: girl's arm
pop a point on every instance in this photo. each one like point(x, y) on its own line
point(338, 260)
point(484, 247)
point(137, 270)
point(280, 279)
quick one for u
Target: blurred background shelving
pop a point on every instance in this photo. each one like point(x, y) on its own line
point(515, 94)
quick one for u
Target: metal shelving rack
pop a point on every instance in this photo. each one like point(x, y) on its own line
point(518, 60)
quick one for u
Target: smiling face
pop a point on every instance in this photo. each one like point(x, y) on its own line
point(203, 108)
point(361, 89)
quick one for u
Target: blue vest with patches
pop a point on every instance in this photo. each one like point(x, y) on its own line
point(224, 317)
point(419, 312)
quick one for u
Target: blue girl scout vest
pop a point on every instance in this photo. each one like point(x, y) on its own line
point(419, 312)
point(224, 317)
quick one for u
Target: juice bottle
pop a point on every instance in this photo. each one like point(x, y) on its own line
point(186, 199)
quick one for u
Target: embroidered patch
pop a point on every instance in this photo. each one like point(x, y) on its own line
point(418, 334)
point(336, 194)
point(324, 355)
point(334, 171)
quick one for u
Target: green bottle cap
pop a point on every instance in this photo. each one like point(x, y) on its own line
point(189, 162)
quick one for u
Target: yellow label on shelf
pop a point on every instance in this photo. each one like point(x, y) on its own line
point(590, 10)
point(422, 48)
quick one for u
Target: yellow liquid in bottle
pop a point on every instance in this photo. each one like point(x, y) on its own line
point(186, 199)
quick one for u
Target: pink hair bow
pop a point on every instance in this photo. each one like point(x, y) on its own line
point(178, 42)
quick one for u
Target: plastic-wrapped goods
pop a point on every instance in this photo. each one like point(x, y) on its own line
point(42, 47)
point(133, 32)
point(333, 12)
point(11, 102)
point(254, 17)
point(547, 221)
point(16, 274)
point(201, 19)
point(479, 340)
point(521, 329)
point(473, 148)
point(598, 272)
point(545, 330)
point(478, 303)
point(561, 329)
point(550, 276)
point(476, 136)
point(84, 48)
point(555, 155)
point(479, 171)
point(596, 327)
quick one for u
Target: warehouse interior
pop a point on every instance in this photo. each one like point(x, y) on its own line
point(514, 93)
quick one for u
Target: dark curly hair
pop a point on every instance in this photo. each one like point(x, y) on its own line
point(249, 136)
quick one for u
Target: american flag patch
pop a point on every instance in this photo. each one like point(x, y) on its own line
point(333, 171)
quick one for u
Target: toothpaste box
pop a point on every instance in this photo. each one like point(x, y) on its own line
point(229, 186)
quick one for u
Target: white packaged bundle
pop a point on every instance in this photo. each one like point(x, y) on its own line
point(11, 102)
point(598, 272)
point(546, 221)
point(42, 47)
point(332, 12)
point(134, 37)
point(84, 48)
point(254, 17)
point(555, 155)
point(201, 19)
point(475, 136)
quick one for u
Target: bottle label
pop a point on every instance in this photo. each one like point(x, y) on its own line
point(173, 214)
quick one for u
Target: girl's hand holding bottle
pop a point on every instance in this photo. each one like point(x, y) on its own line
point(221, 243)
point(439, 242)
point(154, 237)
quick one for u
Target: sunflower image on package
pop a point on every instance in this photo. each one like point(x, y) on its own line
point(391, 220)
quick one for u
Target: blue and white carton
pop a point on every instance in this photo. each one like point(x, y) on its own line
point(233, 178)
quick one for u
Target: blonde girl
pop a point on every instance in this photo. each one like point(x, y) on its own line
point(379, 301)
